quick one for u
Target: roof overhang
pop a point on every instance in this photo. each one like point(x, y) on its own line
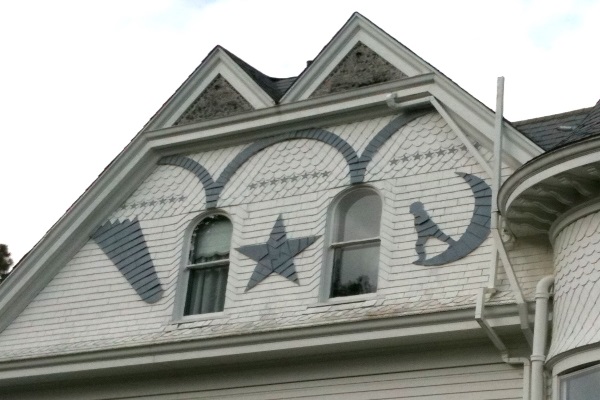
point(546, 192)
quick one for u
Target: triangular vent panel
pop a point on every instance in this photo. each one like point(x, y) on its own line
point(218, 99)
point(360, 67)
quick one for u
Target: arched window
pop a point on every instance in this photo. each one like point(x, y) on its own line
point(208, 265)
point(355, 243)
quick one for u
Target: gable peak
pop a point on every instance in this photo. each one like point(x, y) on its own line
point(357, 32)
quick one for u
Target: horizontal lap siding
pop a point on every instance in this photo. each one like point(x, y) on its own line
point(482, 382)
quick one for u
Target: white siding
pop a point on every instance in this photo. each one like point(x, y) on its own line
point(576, 319)
point(473, 374)
point(89, 305)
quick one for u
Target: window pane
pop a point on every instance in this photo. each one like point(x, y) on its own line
point(584, 385)
point(206, 290)
point(359, 216)
point(211, 240)
point(355, 270)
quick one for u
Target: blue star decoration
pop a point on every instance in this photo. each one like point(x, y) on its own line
point(277, 255)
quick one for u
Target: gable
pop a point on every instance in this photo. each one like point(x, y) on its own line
point(222, 85)
point(276, 172)
point(359, 51)
point(360, 67)
point(92, 305)
point(219, 99)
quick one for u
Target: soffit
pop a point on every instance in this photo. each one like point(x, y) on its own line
point(537, 195)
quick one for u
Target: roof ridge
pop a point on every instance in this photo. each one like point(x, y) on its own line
point(266, 82)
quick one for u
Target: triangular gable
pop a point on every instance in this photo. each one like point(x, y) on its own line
point(423, 85)
point(357, 33)
point(359, 68)
point(218, 99)
point(220, 86)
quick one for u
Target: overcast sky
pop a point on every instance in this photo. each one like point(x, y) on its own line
point(78, 79)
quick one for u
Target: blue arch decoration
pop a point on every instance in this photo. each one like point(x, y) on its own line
point(357, 166)
point(382, 136)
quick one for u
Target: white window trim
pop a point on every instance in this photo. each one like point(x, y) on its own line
point(330, 246)
point(181, 288)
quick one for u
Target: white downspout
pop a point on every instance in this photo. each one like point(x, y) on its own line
point(540, 333)
point(526, 372)
point(496, 178)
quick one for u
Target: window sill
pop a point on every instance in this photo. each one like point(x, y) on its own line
point(360, 298)
point(194, 321)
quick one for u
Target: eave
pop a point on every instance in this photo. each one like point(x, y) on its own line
point(442, 328)
point(542, 195)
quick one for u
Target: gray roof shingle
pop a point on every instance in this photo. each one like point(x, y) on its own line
point(590, 126)
point(550, 131)
point(275, 87)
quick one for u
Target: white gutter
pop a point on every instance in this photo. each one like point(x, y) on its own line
point(538, 355)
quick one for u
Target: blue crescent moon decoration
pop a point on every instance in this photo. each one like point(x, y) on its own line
point(475, 234)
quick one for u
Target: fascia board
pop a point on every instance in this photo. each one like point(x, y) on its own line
point(398, 331)
point(517, 149)
point(356, 29)
point(219, 62)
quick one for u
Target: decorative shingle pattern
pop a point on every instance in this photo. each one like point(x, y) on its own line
point(590, 126)
point(90, 301)
point(166, 192)
point(90, 306)
point(547, 132)
point(425, 144)
point(356, 165)
point(292, 168)
point(218, 99)
point(124, 243)
point(576, 319)
point(360, 67)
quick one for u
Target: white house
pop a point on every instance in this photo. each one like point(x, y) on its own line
point(332, 235)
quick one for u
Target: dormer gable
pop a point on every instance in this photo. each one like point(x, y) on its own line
point(222, 85)
point(344, 59)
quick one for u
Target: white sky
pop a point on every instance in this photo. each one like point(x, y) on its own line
point(78, 79)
